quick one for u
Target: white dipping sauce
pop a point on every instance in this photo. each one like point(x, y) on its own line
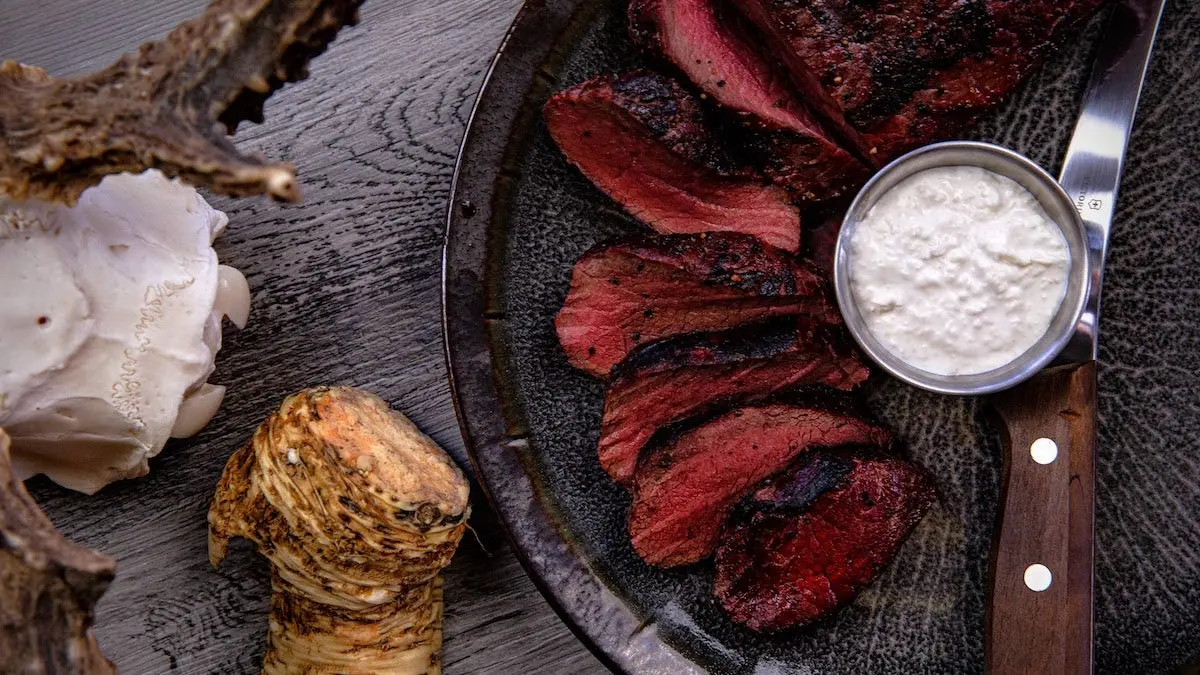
point(958, 270)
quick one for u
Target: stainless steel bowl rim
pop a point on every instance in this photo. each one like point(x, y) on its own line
point(1058, 206)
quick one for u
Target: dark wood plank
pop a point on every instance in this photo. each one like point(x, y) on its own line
point(345, 290)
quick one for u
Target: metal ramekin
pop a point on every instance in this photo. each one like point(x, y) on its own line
point(1058, 206)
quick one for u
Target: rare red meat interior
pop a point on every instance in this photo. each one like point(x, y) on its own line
point(809, 542)
point(707, 41)
point(643, 289)
point(642, 139)
point(690, 374)
point(684, 490)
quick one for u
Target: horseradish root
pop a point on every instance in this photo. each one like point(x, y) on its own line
point(48, 587)
point(357, 512)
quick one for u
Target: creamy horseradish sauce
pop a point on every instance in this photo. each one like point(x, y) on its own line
point(958, 270)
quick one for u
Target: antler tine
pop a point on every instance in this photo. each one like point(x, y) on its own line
point(166, 106)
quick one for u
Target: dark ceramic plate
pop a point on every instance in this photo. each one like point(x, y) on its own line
point(520, 217)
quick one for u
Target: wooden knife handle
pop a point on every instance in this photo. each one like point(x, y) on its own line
point(1046, 518)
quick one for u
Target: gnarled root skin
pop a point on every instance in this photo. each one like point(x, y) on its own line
point(48, 587)
point(167, 106)
point(400, 636)
point(358, 512)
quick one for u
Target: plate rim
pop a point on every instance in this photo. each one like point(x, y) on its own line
point(594, 613)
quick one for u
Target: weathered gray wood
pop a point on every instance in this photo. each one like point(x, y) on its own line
point(345, 291)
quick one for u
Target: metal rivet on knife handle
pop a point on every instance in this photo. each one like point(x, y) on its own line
point(1038, 577)
point(1043, 451)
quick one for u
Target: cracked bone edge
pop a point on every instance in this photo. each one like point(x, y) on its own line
point(109, 326)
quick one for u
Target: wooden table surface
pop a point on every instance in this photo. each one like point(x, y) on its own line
point(345, 291)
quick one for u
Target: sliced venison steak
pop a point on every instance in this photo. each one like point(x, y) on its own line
point(646, 288)
point(684, 489)
point(642, 140)
point(667, 381)
point(708, 42)
point(898, 74)
point(820, 240)
point(809, 542)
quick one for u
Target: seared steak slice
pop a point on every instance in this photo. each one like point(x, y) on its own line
point(708, 43)
point(664, 382)
point(807, 544)
point(901, 73)
point(643, 289)
point(641, 139)
point(684, 489)
point(820, 241)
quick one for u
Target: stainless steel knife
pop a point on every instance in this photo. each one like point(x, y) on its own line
point(1040, 615)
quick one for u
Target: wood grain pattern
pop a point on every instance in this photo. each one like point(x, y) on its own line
point(1047, 518)
point(345, 290)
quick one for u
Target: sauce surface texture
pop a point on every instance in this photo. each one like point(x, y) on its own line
point(958, 270)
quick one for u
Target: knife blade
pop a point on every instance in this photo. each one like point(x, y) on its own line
point(1095, 159)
